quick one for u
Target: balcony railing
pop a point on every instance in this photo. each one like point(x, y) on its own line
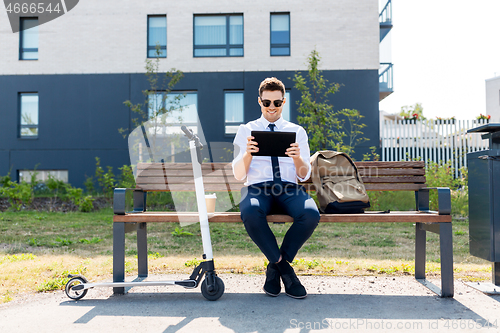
point(386, 14)
point(385, 77)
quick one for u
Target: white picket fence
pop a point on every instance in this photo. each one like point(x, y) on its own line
point(431, 140)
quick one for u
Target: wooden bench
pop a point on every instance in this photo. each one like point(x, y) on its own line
point(377, 176)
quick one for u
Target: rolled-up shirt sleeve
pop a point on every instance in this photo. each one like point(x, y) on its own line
point(240, 146)
point(305, 152)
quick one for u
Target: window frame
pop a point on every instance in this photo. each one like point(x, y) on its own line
point(21, 34)
point(271, 45)
point(20, 125)
point(233, 91)
point(147, 38)
point(227, 46)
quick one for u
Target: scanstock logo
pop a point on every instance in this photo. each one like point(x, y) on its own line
point(44, 10)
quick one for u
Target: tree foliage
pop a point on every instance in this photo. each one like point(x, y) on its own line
point(340, 130)
point(158, 83)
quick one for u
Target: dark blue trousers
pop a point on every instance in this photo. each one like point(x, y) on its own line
point(260, 200)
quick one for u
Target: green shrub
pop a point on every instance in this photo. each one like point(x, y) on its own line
point(5, 181)
point(442, 175)
point(84, 203)
point(18, 194)
point(126, 179)
point(56, 186)
point(89, 185)
point(392, 200)
point(106, 180)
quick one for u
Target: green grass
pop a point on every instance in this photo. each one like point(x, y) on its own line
point(90, 234)
point(40, 248)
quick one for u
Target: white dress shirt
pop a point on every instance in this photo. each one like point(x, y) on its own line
point(261, 169)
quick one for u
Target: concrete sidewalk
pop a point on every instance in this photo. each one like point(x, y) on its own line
point(382, 304)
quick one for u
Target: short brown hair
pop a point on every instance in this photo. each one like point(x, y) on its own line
point(272, 84)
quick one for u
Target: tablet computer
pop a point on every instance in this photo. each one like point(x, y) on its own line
point(273, 143)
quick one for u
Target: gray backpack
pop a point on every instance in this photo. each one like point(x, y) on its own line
point(338, 185)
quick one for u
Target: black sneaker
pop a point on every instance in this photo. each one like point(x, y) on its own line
point(293, 287)
point(272, 286)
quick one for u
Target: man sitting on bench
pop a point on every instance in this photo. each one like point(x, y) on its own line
point(271, 187)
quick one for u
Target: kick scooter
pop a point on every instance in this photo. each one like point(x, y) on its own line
point(212, 286)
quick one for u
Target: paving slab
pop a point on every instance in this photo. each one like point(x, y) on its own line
point(334, 304)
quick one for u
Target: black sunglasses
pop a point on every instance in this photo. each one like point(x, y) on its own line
point(267, 103)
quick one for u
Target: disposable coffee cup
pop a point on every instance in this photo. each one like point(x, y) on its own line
point(210, 200)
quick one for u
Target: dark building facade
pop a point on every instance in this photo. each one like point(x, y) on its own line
point(80, 107)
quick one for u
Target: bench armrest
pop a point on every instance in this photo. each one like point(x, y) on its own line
point(119, 200)
point(444, 200)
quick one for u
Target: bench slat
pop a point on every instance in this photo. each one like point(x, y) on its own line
point(186, 180)
point(374, 172)
point(234, 187)
point(234, 217)
point(420, 179)
point(182, 166)
point(380, 187)
point(182, 173)
point(379, 164)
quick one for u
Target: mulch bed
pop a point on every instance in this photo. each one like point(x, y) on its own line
point(54, 205)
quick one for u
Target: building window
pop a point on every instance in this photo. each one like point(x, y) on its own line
point(28, 38)
point(43, 175)
point(285, 113)
point(157, 35)
point(280, 34)
point(182, 107)
point(218, 35)
point(28, 107)
point(234, 111)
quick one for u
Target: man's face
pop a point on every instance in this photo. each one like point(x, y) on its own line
point(271, 113)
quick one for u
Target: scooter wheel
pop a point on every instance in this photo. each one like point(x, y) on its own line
point(216, 293)
point(75, 294)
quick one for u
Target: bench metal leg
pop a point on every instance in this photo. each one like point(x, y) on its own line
point(446, 247)
point(420, 242)
point(142, 250)
point(119, 255)
point(495, 273)
point(446, 252)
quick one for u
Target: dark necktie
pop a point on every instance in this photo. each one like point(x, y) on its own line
point(275, 163)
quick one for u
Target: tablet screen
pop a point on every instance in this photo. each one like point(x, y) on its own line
point(273, 143)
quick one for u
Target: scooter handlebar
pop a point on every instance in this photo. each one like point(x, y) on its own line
point(191, 136)
point(188, 132)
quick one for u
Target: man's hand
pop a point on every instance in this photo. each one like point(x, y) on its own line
point(293, 151)
point(300, 165)
point(242, 166)
point(251, 145)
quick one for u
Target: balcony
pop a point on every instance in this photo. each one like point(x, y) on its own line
point(385, 20)
point(385, 78)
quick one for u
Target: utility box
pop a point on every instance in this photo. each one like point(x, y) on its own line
point(484, 199)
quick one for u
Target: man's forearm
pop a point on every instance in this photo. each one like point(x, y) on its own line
point(242, 166)
point(301, 167)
